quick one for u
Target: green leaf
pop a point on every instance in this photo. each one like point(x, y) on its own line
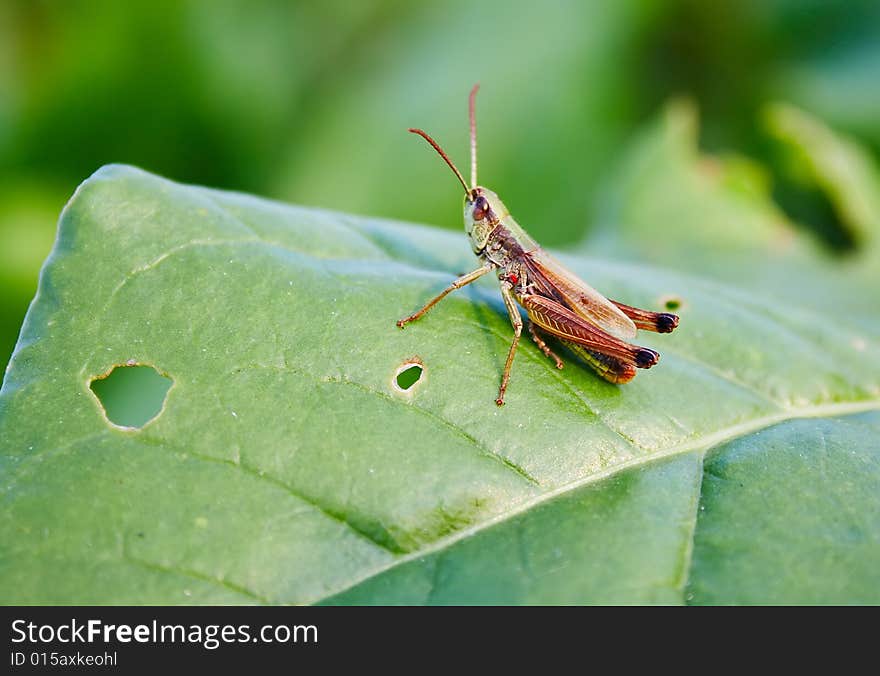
point(287, 466)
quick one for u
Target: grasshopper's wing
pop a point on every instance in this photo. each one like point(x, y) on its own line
point(554, 281)
point(559, 321)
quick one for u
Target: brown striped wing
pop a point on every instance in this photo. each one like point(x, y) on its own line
point(555, 281)
point(561, 322)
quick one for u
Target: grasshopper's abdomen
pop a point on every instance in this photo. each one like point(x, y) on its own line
point(610, 368)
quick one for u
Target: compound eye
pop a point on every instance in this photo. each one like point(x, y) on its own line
point(481, 208)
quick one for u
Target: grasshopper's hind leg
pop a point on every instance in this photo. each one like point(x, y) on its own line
point(516, 320)
point(536, 336)
point(659, 322)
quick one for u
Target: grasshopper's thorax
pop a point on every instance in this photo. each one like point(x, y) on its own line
point(493, 232)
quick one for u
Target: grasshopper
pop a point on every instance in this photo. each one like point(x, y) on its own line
point(557, 302)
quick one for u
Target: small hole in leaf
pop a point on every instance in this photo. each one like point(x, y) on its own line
point(671, 303)
point(131, 395)
point(409, 375)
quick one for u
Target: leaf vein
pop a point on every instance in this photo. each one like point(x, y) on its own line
point(197, 575)
point(483, 450)
point(262, 476)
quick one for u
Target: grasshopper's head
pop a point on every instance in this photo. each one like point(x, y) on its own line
point(482, 211)
point(482, 208)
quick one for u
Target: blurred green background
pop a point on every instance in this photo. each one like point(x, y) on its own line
point(308, 102)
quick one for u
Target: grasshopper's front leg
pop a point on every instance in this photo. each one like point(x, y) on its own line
point(464, 280)
point(516, 320)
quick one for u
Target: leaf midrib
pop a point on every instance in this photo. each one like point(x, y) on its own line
point(704, 444)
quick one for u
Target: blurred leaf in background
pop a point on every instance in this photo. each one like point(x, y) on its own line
point(309, 102)
point(669, 204)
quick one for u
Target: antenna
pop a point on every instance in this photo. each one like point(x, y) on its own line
point(442, 154)
point(472, 114)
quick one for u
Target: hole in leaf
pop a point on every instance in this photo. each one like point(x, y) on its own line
point(131, 395)
point(408, 374)
point(671, 303)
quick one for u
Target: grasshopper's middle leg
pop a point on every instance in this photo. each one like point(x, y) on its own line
point(516, 320)
point(536, 336)
point(464, 280)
